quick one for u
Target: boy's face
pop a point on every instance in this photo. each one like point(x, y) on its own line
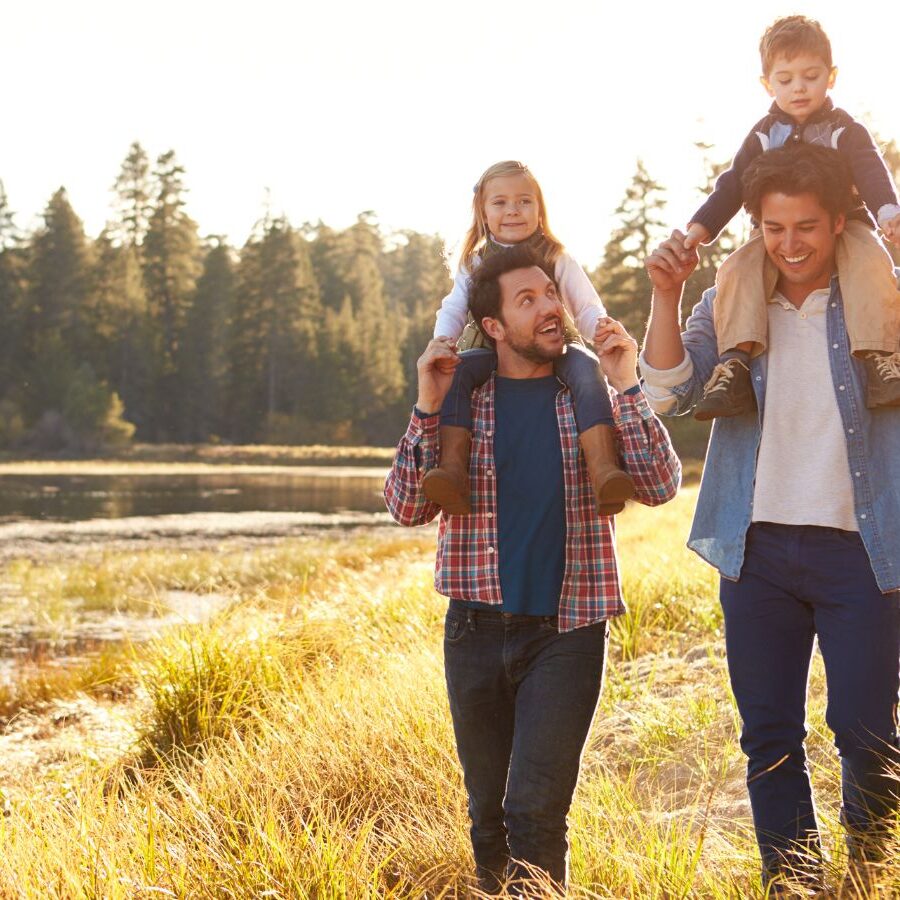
point(800, 84)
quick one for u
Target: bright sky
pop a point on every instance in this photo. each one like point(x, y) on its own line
point(397, 106)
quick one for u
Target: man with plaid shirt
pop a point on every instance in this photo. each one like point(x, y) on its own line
point(531, 571)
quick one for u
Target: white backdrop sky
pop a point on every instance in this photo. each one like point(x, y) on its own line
point(397, 106)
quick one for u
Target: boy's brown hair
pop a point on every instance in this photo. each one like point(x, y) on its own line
point(792, 35)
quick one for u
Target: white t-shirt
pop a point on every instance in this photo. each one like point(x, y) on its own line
point(802, 469)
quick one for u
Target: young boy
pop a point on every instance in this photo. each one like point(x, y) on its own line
point(798, 73)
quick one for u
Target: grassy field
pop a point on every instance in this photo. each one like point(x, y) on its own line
point(299, 744)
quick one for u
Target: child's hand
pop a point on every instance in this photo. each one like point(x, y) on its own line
point(696, 235)
point(618, 352)
point(891, 230)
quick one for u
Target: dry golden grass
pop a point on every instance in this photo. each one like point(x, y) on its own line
point(300, 746)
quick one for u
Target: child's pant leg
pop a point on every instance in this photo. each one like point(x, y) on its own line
point(580, 370)
point(474, 369)
point(869, 290)
point(744, 283)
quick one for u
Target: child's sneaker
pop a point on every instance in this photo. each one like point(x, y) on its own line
point(727, 393)
point(882, 379)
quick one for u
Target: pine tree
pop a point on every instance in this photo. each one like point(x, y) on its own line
point(171, 266)
point(276, 318)
point(204, 359)
point(133, 200)
point(621, 279)
point(13, 288)
point(118, 309)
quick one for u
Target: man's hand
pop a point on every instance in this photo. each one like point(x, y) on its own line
point(669, 267)
point(435, 369)
point(696, 235)
point(618, 353)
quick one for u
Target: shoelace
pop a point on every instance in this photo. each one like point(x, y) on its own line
point(721, 377)
point(888, 367)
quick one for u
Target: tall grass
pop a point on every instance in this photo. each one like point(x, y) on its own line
point(300, 745)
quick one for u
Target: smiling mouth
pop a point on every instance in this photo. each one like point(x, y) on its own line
point(551, 328)
point(796, 260)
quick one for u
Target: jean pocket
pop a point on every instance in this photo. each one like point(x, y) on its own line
point(454, 627)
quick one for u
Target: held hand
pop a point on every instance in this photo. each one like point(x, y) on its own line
point(670, 265)
point(892, 230)
point(617, 351)
point(435, 369)
point(696, 235)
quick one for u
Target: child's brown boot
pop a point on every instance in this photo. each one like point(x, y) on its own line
point(612, 486)
point(448, 484)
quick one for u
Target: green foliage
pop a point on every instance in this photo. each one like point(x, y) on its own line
point(621, 280)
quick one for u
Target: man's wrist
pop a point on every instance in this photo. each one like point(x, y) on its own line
point(424, 404)
point(423, 414)
point(670, 297)
point(626, 386)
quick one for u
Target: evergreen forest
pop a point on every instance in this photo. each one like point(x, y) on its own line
point(305, 334)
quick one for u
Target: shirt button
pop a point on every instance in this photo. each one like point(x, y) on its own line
point(759, 377)
point(490, 472)
point(490, 515)
point(833, 346)
point(856, 474)
point(862, 515)
point(833, 305)
point(491, 549)
point(841, 387)
point(802, 315)
point(490, 431)
point(850, 431)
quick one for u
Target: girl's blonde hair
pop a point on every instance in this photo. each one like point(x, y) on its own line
point(477, 235)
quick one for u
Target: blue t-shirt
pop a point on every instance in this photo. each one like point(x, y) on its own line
point(531, 513)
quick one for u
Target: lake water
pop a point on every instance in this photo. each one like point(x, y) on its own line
point(75, 498)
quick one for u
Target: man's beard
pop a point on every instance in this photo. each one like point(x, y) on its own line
point(532, 352)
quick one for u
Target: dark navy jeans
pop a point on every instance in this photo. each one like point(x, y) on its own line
point(799, 583)
point(578, 368)
point(522, 697)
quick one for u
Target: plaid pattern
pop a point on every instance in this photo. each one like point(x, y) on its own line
point(466, 565)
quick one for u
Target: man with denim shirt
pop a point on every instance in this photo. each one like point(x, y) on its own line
point(531, 571)
point(798, 510)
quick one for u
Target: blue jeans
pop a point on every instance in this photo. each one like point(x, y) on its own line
point(522, 697)
point(799, 583)
point(578, 368)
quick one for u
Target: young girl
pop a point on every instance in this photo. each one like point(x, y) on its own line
point(508, 209)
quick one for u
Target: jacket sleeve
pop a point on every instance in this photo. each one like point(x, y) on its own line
point(673, 392)
point(451, 317)
point(416, 453)
point(579, 295)
point(870, 174)
point(646, 450)
point(727, 197)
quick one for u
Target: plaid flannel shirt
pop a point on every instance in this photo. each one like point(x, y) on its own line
point(466, 565)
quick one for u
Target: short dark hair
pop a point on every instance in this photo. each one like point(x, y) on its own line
point(484, 282)
point(800, 169)
point(790, 36)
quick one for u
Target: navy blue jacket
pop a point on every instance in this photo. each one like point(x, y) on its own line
point(828, 127)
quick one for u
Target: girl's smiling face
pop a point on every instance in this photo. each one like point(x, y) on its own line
point(511, 208)
point(800, 84)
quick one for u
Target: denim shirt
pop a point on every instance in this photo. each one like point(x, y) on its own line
point(725, 503)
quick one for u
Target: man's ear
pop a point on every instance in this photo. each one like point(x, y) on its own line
point(493, 328)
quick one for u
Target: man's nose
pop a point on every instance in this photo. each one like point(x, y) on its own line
point(790, 241)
